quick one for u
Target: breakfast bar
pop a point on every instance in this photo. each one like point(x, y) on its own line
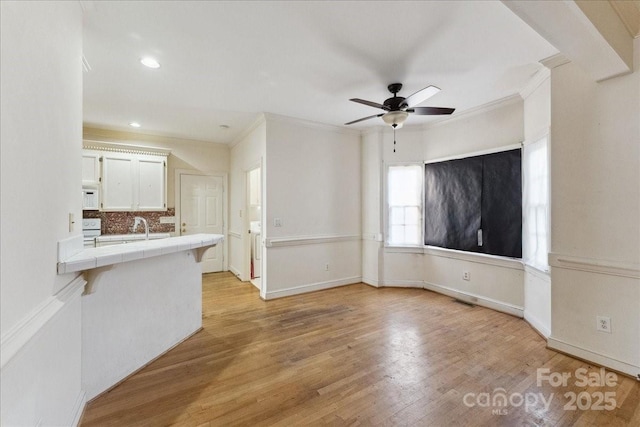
point(91, 258)
point(140, 300)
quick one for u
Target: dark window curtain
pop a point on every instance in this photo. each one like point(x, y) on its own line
point(502, 204)
point(465, 195)
point(453, 192)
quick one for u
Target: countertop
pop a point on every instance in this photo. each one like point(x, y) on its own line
point(132, 236)
point(90, 258)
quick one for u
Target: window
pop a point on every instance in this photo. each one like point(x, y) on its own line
point(475, 204)
point(471, 204)
point(404, 190)
point(536, 205)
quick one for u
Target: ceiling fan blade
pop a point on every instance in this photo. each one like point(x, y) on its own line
point(369, 103)
point(420, 96)
point(365, 118)
point(430, 111)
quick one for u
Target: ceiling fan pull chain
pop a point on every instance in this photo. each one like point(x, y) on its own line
point(394, 140)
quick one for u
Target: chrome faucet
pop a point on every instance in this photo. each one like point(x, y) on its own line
point(137, 221)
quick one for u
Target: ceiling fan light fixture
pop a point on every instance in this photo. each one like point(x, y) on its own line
point(395, 119)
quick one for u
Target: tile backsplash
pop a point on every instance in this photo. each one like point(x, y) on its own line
point(121, 222)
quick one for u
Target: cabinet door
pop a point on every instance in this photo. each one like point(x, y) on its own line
point(90, 167)
point(151, 183)
point(117, 182)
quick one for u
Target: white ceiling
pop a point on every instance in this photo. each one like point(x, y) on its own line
point(223, 63)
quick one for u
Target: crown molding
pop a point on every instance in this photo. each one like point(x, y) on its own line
point(270, 117)
point(484, 108)
point(555, 61)
point(115, 134)
point(370, 131)
point(91, 144)
point(261, 119)
point(534, 82)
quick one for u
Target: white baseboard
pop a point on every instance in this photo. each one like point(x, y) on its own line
point(477, 299)
point(78, 409)
point(312, 287)
point(419, 284)
point(536, 324)
point(371, 282)
point(591, 356)
point(235, 271)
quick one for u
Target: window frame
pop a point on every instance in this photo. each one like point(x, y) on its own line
point(526, 260)
point(387, 206)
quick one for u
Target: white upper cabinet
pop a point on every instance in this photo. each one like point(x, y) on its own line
point(91, 167)
point(131, 181)
point(151, 182)
point(118, 175)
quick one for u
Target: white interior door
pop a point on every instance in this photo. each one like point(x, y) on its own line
point(201, 207)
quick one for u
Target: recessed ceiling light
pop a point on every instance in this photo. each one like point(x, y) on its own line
point(147, 61)
point(134, 124)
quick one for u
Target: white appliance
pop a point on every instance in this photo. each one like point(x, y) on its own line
point(91, 228)
point(256, 248)
point(90, 198)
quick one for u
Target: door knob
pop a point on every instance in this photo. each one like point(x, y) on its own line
point(184, 224)
point(184, 230)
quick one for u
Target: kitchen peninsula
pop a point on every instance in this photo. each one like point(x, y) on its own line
point(140, 300)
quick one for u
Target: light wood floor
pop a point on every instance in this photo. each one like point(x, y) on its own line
point(355, 355)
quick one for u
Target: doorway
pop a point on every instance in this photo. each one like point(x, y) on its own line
point(201, 211)
point(254, 210)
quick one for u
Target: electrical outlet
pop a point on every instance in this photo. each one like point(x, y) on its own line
point(326, 267)
point(277, 222)
point(466, 276)
point(603, 324)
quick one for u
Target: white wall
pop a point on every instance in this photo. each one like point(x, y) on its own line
point(246, 153)
point(372, 172)
point(41, 142)
point(199, 156)
point(537, 124)
point(495, 125)
point(313, 185)
point(595, 207)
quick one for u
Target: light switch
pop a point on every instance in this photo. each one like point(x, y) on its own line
point(72, 221)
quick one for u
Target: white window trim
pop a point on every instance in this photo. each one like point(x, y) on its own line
point(385, 195)
point(477, 153)
point(543, 134)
